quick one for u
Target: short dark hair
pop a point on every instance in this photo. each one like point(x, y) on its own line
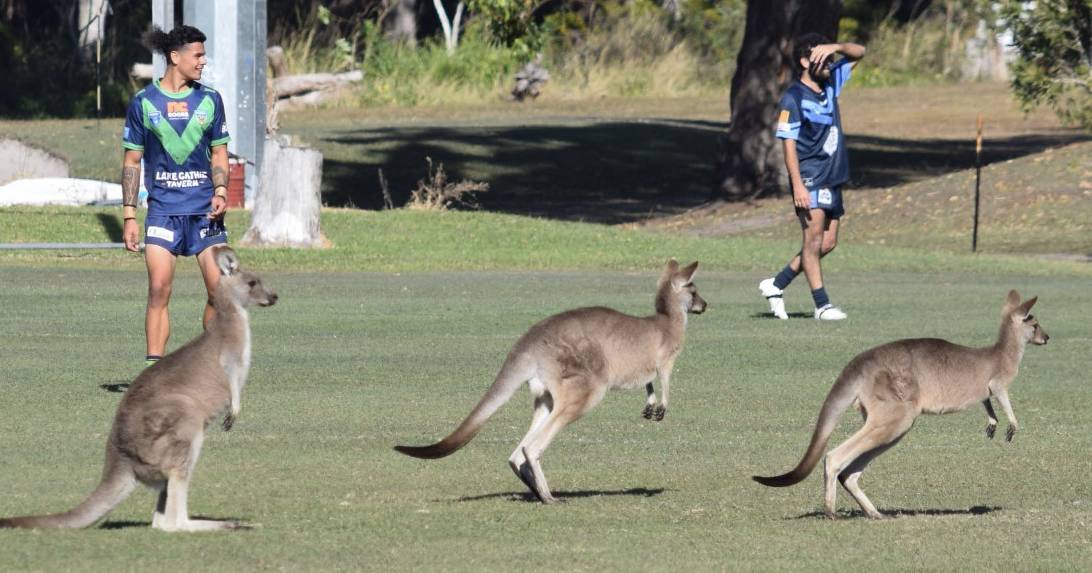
point(166, 42)
point(803, 44)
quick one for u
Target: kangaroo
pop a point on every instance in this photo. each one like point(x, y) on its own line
point(570, 360)
point(161, 421)
point(894, 383)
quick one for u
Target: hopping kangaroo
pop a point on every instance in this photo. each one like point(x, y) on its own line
point(893, 384)
point(571, 359)
point(161, 420)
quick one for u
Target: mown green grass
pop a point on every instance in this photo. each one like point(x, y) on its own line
point(402, 240)
point(348, 364)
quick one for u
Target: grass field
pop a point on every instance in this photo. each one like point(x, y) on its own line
point(392, 335)
point(349, 364)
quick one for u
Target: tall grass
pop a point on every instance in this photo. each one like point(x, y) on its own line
point(930, 48)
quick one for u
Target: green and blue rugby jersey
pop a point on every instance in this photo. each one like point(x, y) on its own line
point(176, 132)
point(814, 122)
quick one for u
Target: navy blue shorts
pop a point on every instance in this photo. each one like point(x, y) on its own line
point(827, 199)
point(184, 235)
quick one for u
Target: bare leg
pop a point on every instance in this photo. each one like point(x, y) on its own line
point(830, 241)
point(813, 222)
point(206, 260)
point(157, 320)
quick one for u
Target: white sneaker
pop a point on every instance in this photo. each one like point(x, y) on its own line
point(829, 312)
point(773, 296)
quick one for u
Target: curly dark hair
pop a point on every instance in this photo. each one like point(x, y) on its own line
point(166, 42)
point(803, 44)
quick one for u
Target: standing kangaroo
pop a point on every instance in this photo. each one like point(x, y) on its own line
point(161, 421)
point(893, 384)
point(571, 359)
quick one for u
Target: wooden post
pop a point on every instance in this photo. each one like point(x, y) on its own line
point(977, 183)
point(287, 208)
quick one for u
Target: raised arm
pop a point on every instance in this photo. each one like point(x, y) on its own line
point(852, 52)
point(130, 187)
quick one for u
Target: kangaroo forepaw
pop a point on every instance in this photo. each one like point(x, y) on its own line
point(1010, 432)
point(660, 412)
point(229, 421)
point(990, 429)
point(647, 412)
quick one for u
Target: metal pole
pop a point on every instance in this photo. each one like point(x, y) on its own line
point(162, 16)
point(977, 183)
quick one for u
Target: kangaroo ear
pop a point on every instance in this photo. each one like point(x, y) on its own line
point(1012, 300)
point(1025, 308)
point(681, 277)
point(688, 272)
point(227, 260)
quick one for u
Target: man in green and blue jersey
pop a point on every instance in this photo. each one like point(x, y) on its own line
point(177, 126)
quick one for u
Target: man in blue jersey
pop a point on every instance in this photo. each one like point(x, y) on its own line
point(810, 128)
point(178, 127)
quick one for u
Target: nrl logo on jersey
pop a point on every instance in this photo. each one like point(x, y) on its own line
point(201, 116)
point(154, 117)
point(178, 110)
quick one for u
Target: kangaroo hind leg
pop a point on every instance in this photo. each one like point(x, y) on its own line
point(846, 462)
point(543, 404)
point(564, 413)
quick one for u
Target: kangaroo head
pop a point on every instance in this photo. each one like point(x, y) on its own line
point(678, 285)
point(1018, 314)
point(238, 285)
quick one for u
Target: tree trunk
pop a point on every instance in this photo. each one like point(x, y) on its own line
point(401, 21)
point(750, 163)
point(287, 208)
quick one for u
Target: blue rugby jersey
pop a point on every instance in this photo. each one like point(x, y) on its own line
point(176, 132)
point(814, 122)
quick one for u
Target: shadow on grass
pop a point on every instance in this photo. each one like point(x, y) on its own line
point(110, 224)
point(115, 387)
point(770, 316)
point(129, 524)
point(528, 497)
point(606, 172)
point(856, 513)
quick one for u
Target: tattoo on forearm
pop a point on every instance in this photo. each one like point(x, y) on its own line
point(130, 184)
point(219, 177)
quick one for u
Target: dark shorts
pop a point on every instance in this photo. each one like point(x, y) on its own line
point(827, 199)
point(184, 235)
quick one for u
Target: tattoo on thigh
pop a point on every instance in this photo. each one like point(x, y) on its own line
point(130, 184)
point(219, 177)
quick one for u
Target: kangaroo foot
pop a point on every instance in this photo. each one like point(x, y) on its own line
point(1010, 432)
point(647, 412)
point(660, 412)
point(990, 429)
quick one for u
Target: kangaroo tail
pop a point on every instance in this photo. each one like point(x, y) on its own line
point(516, 371)
point(838, 399)
point(117, 483)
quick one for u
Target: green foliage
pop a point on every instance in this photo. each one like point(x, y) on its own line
point(1054, 66)
point(510, 23)
point(402, 75)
